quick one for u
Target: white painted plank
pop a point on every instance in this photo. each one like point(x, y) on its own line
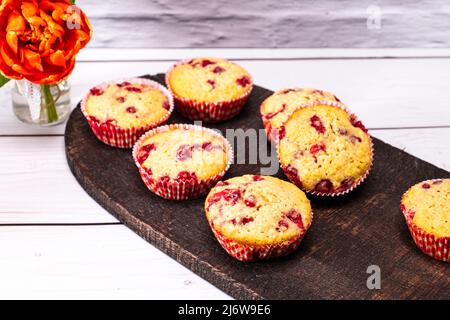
point(385, 93)
point(431, 145)
point(142, 54)
point(107, 262)
point(37, 186)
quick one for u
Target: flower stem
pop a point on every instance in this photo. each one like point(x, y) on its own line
point(52, 115)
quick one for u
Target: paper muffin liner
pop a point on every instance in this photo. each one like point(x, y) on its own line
point(208, 112)
point(351, 187)
point(436, 247)
point(119, 137)
point(180, 190)
point(251, 253)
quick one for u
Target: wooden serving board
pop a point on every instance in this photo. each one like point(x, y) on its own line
point(348, 234)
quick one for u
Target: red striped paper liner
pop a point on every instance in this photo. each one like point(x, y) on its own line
point(436, 247)
point(119, 137)
point(180, 190)
point(251, 253)
point(351, 187)
point(208, 112)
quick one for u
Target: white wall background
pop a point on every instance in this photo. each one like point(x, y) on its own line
point(269, 23)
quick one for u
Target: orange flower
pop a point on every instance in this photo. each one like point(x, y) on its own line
point(39, 39)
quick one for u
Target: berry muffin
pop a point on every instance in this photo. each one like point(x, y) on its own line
point(119, 112)
point(258, 217)
point(277, 108)
point(209, 89)
point(426, 207)
point(181, 161)
point(324, 149)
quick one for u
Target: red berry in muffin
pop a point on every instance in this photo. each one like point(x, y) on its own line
point(244, 81)
point(218, 69)
point(317, 124)
point(97, 92)
point(144, 151)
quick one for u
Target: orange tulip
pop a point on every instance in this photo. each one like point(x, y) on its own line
point(39, 39)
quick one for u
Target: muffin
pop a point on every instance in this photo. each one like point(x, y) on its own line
point(209, 89)
point(119, 112)
point(324, 149)
point(181, 161)
point(426, 208)
point(277, 108)
point(258, 217)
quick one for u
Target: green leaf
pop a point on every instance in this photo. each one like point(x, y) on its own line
point(72, 2)
point(3, 80)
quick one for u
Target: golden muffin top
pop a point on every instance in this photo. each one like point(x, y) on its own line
point(428, 204)
point(128, 105)
point(183, 154)
point(258, 210)
point(277, 108)
point(209, 80)
point(324, 149)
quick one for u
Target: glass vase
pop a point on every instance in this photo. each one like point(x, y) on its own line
point(55, 104)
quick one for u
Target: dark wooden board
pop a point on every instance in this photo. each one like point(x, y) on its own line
point(348, 234)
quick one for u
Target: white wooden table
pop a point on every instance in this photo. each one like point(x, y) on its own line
point(56, 242)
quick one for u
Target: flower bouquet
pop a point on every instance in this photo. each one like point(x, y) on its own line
point(39, 40)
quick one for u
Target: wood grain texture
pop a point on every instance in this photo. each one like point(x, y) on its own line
point(348, 235)
point(268, 23)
